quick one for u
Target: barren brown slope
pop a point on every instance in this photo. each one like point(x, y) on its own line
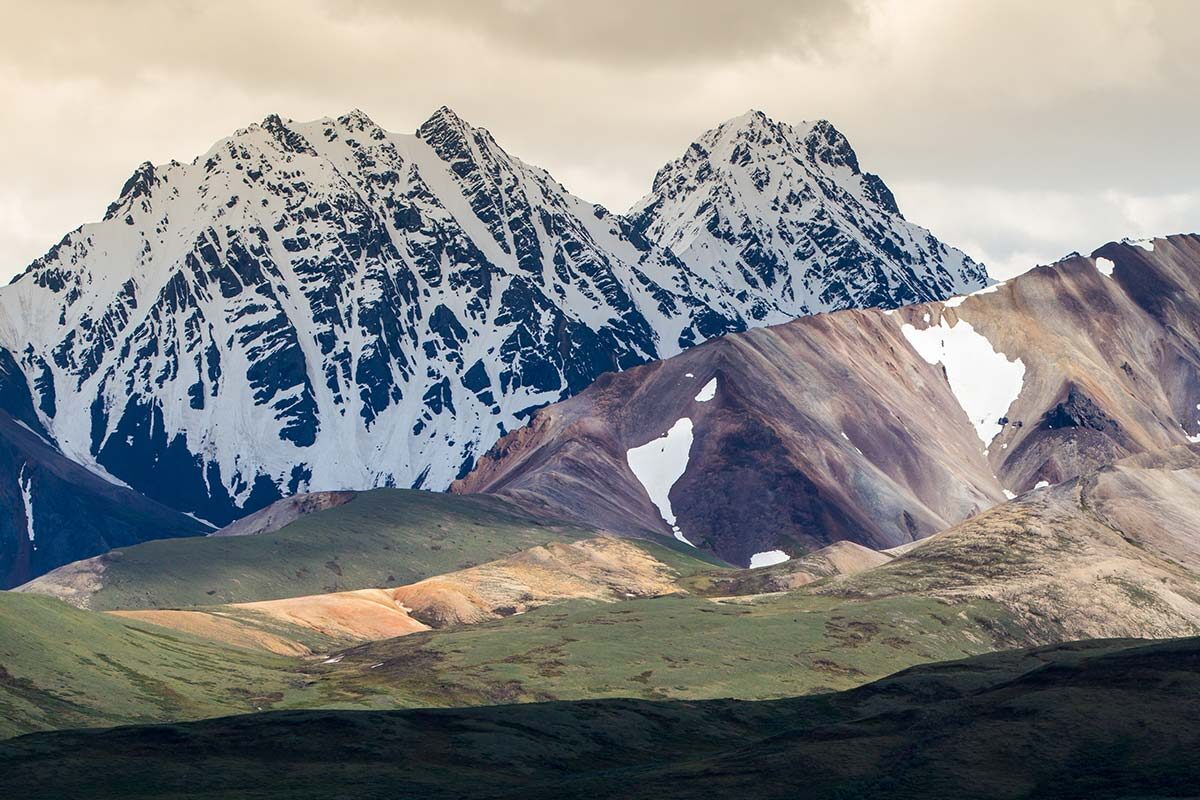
point(284, 512)
point(836, 427)
point(1085, 559)
point(603, 569)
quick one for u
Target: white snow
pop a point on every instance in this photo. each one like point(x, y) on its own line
point(201, 520)
point(708, 392)
point(767, 558)
point(1145, 244)
point(1009, 494)
point(985, 382)
point(333, 660)
point(661, 462)
point(1041, 484)
point(1105, 266)
point(688, 375)
point(955, 302)
point(25, 481)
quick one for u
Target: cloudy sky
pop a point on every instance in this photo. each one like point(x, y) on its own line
point(1017, 130)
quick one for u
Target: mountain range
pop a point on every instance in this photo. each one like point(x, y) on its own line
point(877, 427)
point(327, 306)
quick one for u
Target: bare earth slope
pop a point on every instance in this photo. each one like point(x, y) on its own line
point(603, 569)
point(1089, 558)
point(284, 512)
point(878, 427)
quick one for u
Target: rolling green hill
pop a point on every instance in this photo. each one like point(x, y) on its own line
point(383, 537)
point(62, 667)
point(668, 647)
point(1110, 555)
point(1103, 719)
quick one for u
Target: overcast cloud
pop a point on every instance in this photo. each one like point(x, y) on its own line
point(1016, 130)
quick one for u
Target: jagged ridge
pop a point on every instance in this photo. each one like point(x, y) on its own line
point(327, 305)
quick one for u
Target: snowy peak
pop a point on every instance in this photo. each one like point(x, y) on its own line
point(139, 185)
point(788, 212)
point(325, 305)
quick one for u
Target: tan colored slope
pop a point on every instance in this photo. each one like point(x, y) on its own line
point(219, 627)
point(604, 569)
point(596, 569)
point(1089, 558)
point(839, 558)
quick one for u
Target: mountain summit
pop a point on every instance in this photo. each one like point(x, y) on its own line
point(328, 305)
point(783, 218)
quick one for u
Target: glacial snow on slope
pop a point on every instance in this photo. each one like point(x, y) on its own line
point(955, 302)
point(1145, 244)
point(1105, 266)
point(767, 558)
point(25, 481)
point(661, 462)
point(327, 305)
point(984, 381)
point(708, 392)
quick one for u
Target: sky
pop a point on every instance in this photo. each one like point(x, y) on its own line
point(1017, 130)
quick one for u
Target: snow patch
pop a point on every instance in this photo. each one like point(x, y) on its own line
point(708, 392)
point(767, 558)
point(661, 462)
point(1145, 244)
point(1009, 494)
point(984, 381)
point(1105, 266)
point(25, 481)
point(955, 302)
point(1041, 484)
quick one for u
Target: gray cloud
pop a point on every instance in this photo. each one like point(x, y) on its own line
point(1021, 128)
point(637, 33)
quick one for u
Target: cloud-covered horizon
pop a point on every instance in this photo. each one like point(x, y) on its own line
point(1016, 130)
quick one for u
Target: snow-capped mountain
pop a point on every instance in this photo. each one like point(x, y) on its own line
point(782, 219)
point(327, 305)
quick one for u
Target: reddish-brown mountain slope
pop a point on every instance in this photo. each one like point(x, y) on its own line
point(877, 427)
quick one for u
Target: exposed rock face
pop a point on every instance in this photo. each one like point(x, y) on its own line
point(882, 427)
point(283, 512)
point(326, 305)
